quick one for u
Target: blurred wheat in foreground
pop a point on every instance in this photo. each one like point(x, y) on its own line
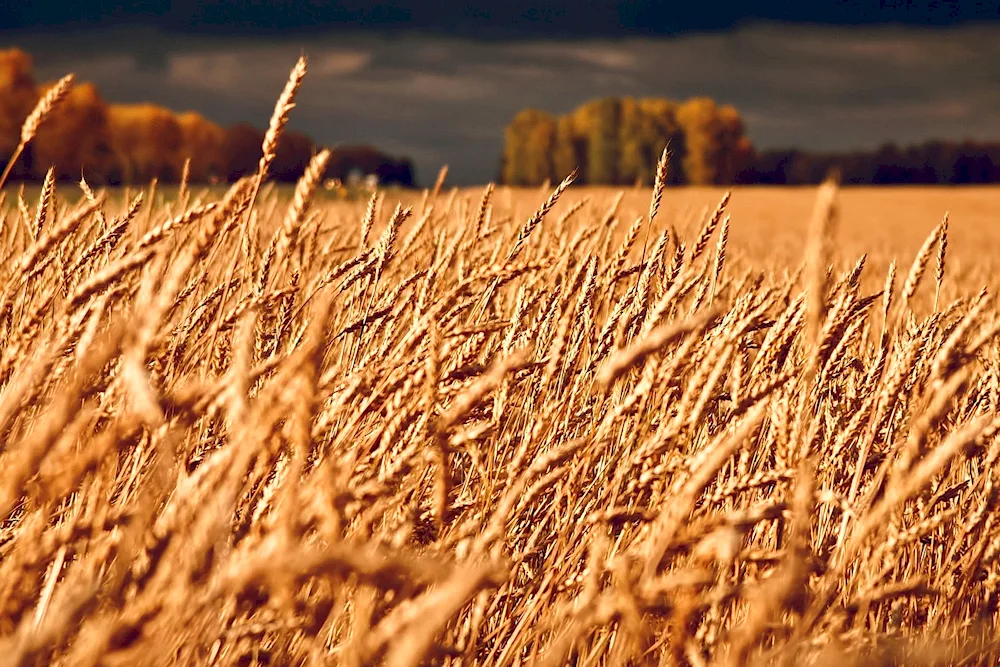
point(248, 431)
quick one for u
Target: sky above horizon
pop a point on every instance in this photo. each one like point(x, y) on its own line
point(443, 95)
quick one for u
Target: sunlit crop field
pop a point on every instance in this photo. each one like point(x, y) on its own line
point(494, 427)
point(770, 224)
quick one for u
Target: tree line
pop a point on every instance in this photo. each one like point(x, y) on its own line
point(135, 143)
point(617, 141)
point(929, 163)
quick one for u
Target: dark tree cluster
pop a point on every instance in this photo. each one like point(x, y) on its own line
point(133, 143)
point(618, 141)
point(930, 163)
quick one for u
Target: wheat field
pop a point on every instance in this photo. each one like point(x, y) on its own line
point(497, 427)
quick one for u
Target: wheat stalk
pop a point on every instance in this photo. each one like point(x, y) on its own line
point(48, 103)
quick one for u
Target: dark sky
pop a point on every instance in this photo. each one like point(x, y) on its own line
point(438, 80)
point(504, 18)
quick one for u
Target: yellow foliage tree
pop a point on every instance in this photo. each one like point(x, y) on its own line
point(601, 118)
point(715, 146)
point(659, 130)
point(18, 95)
point(529, 147)
point(618, 141)
point(635, 165)
point(570, 149)
point(202, 143)
point(735, 149)
point(75, 139)
point(292, 156)
point(699, 120)
point(148, 142)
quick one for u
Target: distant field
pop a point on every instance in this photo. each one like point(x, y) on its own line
point(768, 222)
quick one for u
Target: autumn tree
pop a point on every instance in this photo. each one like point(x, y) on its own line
point(399, 172)
point(367, 160)
point(241, 150)
point(940, 157)
point(570, 151)
point(697, 117)
point(147, 141)
point(647, 126)
point(530, 140)
point(975, 163)
point(291, 157)
point(112, 144)
point(75, 139)
point(620, 141)
point(202, 143)
point(633, 164)
point(660, 129)
point(734, 151)
point(715, 147)
point(18, 95)
point(603, 140)
point(345, 159)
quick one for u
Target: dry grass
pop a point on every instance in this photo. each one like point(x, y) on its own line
point(496, 427)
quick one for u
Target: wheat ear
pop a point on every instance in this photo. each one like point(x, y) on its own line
point(49, 101)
